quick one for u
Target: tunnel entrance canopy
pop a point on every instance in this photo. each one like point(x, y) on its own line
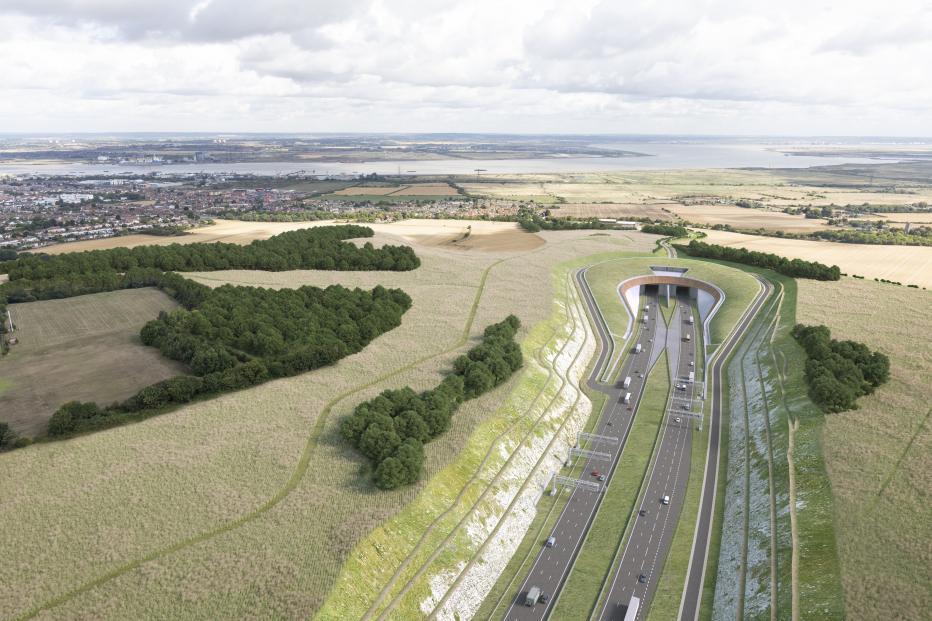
point(670, 281)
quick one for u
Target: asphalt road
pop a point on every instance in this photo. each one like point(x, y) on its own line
point(692, 597)
point(655, 523)
point(552, 564)
point(642, 559)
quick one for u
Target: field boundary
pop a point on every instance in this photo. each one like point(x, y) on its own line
point(295, 478)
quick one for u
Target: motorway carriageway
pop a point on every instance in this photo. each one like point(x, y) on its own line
point(646, 550)
point(655, 523)
point(552, 565)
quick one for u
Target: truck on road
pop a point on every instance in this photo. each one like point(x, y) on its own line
point(692, 377)
point(531, 598)
point(692, 320)
point(627, 382)
point(627, 397)
point(637, 348)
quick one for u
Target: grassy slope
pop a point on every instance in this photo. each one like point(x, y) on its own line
point(595, 561)
point(781, 372)
point(879, 457)
point(376, 557)
point(607, 272)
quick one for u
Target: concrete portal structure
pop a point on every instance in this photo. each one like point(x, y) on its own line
point(667, 279)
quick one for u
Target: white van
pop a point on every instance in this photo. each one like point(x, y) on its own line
point(665, 500)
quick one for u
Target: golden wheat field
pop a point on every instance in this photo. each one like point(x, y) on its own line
point(248, 504)
point(879, 457)
point(910, 265)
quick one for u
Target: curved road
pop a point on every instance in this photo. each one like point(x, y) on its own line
point(552, 565)
point(695, 579)
point(646, 550)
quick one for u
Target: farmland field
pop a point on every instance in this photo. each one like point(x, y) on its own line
point(775, 189)
point(82, 348)
point(879, 457)
point(906, 264)
point(507, 235)
point(272, 501)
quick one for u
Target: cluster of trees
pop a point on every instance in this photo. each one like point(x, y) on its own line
point(162, 230)
point(392, 428)
point(236, 337)
point(667, 230)
point(838, 372)
point(297, 215)
point(532, 222)
point(795, 268)
point(315, 248)
point(919, 236)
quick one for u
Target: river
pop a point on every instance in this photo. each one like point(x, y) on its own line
point(657, 156)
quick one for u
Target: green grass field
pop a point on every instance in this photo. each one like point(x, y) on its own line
point(753, 574)
point(84, 348)
point(878, 457)
point(252, 497)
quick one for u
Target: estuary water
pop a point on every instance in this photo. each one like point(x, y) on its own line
point(654, 156)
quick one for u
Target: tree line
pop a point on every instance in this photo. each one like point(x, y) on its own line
point(532, 222)
point(392, 428)
point(838, 372)
point(314, 248)
point(918, 236)
point(234, 337)
point(667, 230)
point(796, 268)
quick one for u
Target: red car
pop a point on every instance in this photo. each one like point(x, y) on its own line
point(596, 473)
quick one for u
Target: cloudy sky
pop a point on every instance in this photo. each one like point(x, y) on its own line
point(802, 67)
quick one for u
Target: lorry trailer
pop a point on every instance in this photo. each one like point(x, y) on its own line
point(627, 382)
point(532, 596)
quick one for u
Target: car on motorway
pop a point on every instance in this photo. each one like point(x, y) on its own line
point(596, 473)
point(544, 598)
point(551, 541)
point(642, 512)
point(665, 500)
point(678, 419)
point(642, 578)
point(601, 477)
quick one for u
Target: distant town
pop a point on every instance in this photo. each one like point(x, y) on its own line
point(40, 211)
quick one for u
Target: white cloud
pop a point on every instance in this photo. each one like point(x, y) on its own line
point(691, 66)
